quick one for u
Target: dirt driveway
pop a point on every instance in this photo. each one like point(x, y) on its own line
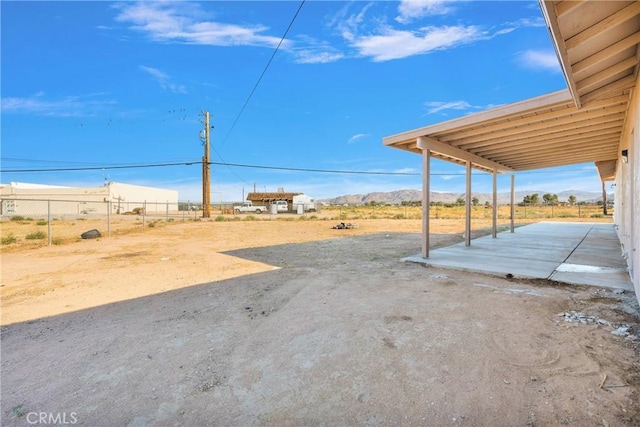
point(294, 323)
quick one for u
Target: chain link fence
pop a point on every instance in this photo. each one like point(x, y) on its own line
point(450, 211)
point(39, 221)
point(35, 222)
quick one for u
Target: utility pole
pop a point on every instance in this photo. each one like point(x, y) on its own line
point(206, 177)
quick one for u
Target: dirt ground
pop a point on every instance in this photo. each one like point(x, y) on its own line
point(295, 323)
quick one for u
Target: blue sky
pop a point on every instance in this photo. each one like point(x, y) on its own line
point(102, 84)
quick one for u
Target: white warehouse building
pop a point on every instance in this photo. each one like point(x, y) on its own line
point(38, 199)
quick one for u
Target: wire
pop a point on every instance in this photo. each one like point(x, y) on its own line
point(263, 72)
point(316, 170)
point(240, 165)
point(244, 165)
point(88, 168)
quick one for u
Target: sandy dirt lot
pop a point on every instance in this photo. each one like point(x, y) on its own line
point(295, 323)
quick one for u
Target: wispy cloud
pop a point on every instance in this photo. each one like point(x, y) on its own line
point(541, 60)
point(314, 51)
point(414, 9)
point(375, 37)
point(536, 21)
point(70, 106)
point(356, 137)
point(407, 170)
point(450, 177)
point(396, 44)
point(185, 22)
point(164, 80)
point(439, 106)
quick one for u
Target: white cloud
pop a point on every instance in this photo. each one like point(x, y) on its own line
point(375, 37)
point(184, 22)
point(164, 80)
point(315, 52)
point(308, 56)
point(349, 26)
point(449, 177)
point(396, 44)
point(408, 170)
point(356, 137)
point(414, 9)
point(545, 60)
point(70, 106)
point(437, 106)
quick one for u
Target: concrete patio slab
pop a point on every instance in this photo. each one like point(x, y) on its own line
point(576, 253)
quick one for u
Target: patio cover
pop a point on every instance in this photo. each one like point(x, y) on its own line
point(597, 46)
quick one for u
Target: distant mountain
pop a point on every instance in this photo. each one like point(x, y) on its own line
point(399, 196)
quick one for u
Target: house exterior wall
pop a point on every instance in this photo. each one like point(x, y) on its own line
point(627, 191)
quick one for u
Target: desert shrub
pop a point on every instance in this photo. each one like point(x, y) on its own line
point(38, 235)
point(57, 241)
point(250, 218)
point(220, 218)
point(9, 239)
point(597, 215)
point(170, 220)
point(17, 218)
point(42, 222)
point(398, 216)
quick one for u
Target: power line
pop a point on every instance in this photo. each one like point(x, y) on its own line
point(88, 168)
point(263, 71)
point(316, 170)
point(244, 165)
point(240, 165)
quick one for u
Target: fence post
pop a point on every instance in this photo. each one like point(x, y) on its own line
point(108, 218)
point(49, 221)
point(167, 220)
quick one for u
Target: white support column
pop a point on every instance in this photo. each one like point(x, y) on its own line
point(426, 199)
point(513, 201)
point(494, 230)
point(467, 221)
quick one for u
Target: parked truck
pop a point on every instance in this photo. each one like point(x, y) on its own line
point(247, 207)
point(308, 203)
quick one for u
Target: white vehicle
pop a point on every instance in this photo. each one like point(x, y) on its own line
point(308, 203)
point(247, 207)
point(282, 205)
